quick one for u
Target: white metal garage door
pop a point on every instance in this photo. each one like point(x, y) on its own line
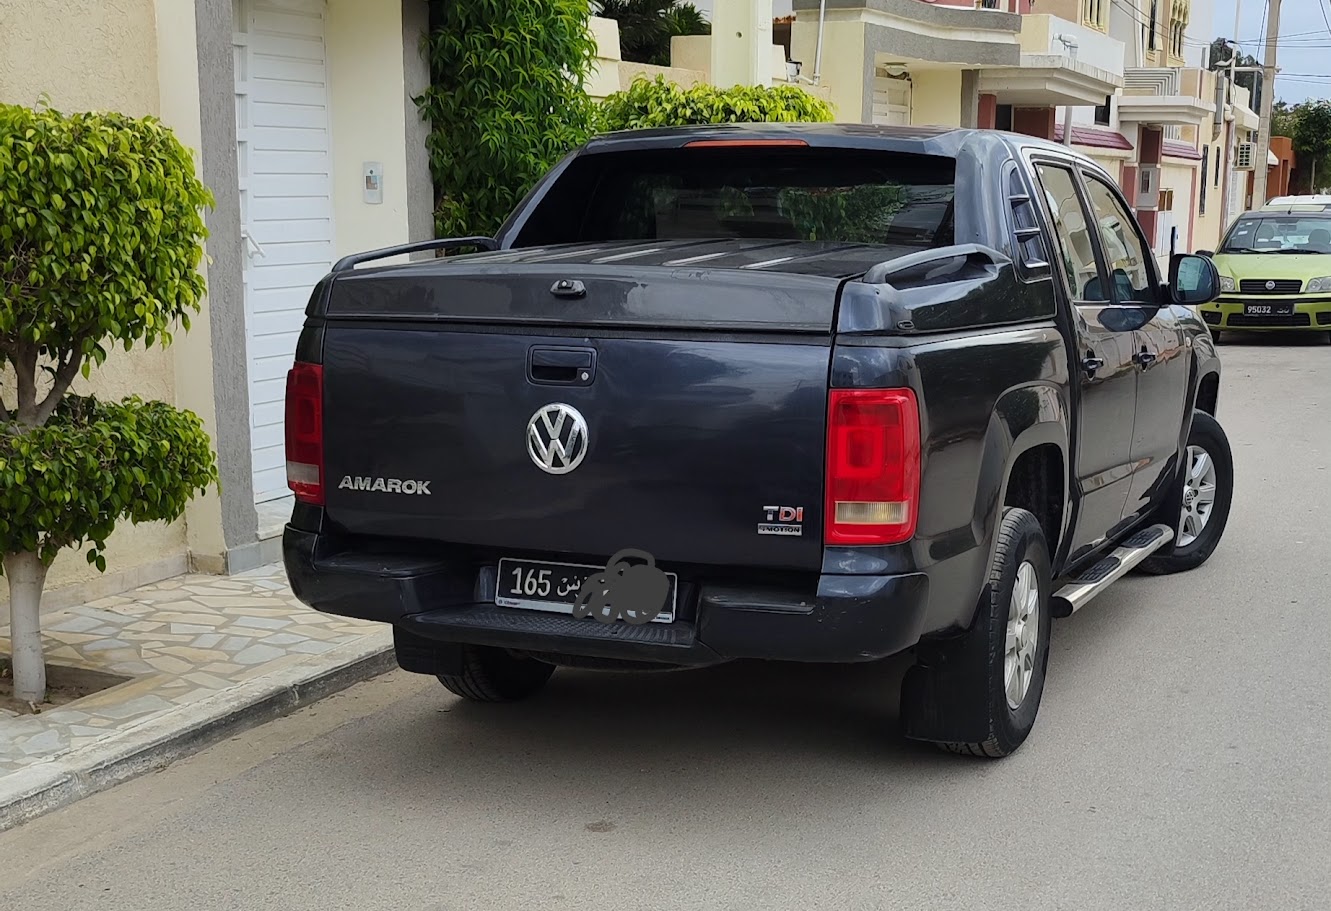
point(286, 208)
point(891, 101)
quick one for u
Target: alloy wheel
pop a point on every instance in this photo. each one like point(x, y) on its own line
point(1023, 635)
point(1198, 496)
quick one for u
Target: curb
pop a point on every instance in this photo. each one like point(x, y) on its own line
point(158, 741)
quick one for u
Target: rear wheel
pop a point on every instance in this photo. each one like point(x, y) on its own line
point(496, 675)
point(979, 694)
point(1201, 510)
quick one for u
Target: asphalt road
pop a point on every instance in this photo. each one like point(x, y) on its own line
point(1181, 760)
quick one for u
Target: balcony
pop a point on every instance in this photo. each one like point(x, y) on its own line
point(1156, 95)
point(971, 35)
point(1061, 63)
point(932, 42)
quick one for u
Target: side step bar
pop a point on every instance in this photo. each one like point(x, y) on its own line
point(1077, 592)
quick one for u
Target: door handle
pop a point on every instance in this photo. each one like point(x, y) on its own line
point(1090, 363)
point(251, 242)
point(1144, 357)
point(551, 366)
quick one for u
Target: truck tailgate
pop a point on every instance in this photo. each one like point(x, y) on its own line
point(441, 405)
point(729, 428)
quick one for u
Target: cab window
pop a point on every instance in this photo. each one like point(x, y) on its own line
point(1075, 245)
point(1126, 255)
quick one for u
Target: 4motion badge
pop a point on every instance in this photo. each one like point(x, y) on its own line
point(787, 521)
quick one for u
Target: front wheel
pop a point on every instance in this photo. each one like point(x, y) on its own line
point(978, 694)
point(1203, 509)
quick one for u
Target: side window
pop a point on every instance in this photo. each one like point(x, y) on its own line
point(1125, 255)
point(1075, 246)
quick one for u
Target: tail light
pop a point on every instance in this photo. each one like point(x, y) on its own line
point(873, 466)
point(305, 432)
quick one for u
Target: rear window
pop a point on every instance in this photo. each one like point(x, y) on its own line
point(831, 195)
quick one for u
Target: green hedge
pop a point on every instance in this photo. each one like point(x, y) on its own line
point(658, 103)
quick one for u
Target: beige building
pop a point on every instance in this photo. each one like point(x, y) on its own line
point(300, 115)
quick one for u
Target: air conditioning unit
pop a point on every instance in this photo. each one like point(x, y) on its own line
point(1148, 187)
point(1244, 155)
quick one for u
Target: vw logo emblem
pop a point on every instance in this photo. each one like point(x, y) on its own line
point(557, 438)
point(1270, 286)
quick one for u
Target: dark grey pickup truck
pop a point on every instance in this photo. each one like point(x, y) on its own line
point(854, 391)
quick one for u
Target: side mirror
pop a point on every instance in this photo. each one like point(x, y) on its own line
point(1193, 279)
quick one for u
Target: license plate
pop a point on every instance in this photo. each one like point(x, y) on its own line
point(553, 587)
point(1268, 309)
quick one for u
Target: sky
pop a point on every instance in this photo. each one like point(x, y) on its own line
point(1303, 50)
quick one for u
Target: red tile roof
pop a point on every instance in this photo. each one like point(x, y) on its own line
point(1175, 149)
point(1090, 136)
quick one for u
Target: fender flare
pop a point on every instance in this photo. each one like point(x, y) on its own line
point(1023, 418)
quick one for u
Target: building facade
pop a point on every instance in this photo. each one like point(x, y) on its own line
point(1123, 81)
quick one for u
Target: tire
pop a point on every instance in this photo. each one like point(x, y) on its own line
point(495, 675)
point(962, 694)
point(1192, 549)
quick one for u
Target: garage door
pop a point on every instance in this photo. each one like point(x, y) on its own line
point(891, 101)
point(286, 209)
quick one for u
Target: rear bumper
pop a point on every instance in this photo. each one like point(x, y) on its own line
point(849, 619)
point(1306, 314)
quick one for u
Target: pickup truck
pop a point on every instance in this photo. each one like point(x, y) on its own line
point(856, 391)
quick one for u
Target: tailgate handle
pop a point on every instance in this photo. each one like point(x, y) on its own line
point(562, 366)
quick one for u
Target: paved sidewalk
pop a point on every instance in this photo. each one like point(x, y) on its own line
point(205, 655)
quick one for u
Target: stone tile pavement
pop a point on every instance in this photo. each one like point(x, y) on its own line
point(198, 650)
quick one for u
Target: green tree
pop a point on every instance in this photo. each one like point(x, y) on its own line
point(100, 240)
point(646, 26)
point(1312, 141)
point(506, 101)
point(1284, 118)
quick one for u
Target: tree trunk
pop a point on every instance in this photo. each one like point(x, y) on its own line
point(26, 574)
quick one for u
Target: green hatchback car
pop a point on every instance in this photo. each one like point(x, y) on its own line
point(1275, 274)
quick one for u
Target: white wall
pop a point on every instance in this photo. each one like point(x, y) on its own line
point(780, 8)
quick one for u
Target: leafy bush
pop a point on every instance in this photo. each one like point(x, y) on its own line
point(657, 103)
point(505, 103)
point(100, 244)
point(93, 464)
